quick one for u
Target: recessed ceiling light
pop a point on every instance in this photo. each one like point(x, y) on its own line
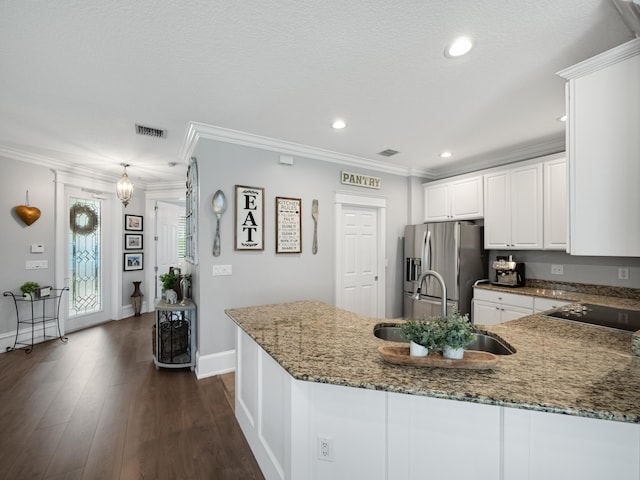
point(446, 155)
point(563, 118)
point(338, 124)
point(459, 47)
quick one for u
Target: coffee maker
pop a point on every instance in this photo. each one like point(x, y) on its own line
point(509, 273)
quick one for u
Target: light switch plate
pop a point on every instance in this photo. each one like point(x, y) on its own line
point(219, 270)
point(37, 248)
point(36, 264)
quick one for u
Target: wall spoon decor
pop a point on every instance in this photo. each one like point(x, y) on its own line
point(27, 213)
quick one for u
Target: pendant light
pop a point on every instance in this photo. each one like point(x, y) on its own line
point(124, 187)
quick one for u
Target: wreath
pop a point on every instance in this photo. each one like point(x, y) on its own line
point(87, 227)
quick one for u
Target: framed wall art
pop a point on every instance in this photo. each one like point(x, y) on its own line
point(133, 223)
point(133, 241)
point(133, 261)
point(249, 218)
point(288, 225)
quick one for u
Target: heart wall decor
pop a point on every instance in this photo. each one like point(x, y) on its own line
point(28, 214)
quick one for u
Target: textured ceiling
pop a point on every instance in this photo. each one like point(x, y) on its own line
point(75, 76)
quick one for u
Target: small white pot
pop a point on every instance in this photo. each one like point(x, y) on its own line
point(417, 350)
point(453, 353)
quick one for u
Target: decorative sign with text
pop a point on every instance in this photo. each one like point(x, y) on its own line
point(249, 221)
point(288, 225)
point(359, 180)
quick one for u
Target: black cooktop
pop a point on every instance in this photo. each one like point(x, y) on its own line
point(618, 318)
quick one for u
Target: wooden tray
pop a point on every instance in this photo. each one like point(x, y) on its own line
point(473, 359)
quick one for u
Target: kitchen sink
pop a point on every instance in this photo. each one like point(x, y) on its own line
point(482, 343)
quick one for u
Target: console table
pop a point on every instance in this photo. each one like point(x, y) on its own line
point(174, 334)
point(44, 312)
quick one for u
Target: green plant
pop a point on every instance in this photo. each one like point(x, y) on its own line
point(29, 287)
point(425, 333)
point(170, 280)
point(457, 330)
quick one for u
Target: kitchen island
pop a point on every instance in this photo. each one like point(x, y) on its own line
point(316, 400)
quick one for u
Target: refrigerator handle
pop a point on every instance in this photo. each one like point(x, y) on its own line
point(428, 250)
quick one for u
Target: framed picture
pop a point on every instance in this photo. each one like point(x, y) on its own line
point(249, 218)
point(133, 241)
point(133, 223)
point(133, 261)
point(288, 225)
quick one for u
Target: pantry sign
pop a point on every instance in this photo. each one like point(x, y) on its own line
point(359, 180)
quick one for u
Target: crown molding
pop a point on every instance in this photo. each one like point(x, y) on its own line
point(602, 60)
point(70, 170)
point(497, 158)
point(198, 131)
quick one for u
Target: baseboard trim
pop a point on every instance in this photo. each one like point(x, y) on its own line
point(215, 364)
point(7, 339)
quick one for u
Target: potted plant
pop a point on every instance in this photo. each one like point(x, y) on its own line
point(29, 290)
point(171, 280)
point(457, 331)
point(422, 335)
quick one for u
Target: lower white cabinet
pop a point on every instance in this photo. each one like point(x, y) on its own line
point(306, 430)
point(547, 446)
point(541, 304)
point(491, 307)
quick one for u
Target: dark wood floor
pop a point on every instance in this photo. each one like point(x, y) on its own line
point(97, 408)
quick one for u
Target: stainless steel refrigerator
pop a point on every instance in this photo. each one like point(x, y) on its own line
point(453, 249)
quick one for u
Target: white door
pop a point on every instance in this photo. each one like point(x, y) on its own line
point(167, 224)
point(88, 260)
point(360, 260)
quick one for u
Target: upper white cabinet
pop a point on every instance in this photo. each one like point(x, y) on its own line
point(456, 199)
point(513, 208)
point(603, 125)
point(555, 204)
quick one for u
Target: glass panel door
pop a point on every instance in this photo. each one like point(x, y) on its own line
point(85, 289)
point(88, 259)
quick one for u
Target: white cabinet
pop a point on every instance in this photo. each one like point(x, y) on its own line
point(513, 208)
point(455, 199)
point(541, 304)
point(543, 446)
point(492, 307)
point(603, 121)
point(555, 204)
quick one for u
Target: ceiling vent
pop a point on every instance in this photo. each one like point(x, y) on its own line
point(388, 152)
point(150, 131)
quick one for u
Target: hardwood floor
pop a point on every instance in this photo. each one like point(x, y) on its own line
point(97, 408)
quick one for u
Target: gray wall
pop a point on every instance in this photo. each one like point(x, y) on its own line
point(136, 207)
point(587, 270)
point(16, 238)
point(264, 277)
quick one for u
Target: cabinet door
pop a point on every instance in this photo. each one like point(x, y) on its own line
point(485, 313)
point(526, 207)
point(555, 205)
point(436, 202)
point(509, 312)
point(497, 216)
point(466, 198)
point(603, 126)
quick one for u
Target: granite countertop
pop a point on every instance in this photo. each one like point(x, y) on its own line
point(559, 366)
point(628, 298)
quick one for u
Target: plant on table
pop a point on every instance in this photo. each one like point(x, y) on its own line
point(170, 280)
point(29, 288)
point(426, 334)
point(457, 332)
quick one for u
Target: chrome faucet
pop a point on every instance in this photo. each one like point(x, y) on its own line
point(433, 273)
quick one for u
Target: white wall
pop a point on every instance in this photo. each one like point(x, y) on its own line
point(264, 277)
point(16, 238)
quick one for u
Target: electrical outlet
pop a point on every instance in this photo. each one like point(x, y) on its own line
point(623, 273)
point(557, 269)
point(325, 449)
